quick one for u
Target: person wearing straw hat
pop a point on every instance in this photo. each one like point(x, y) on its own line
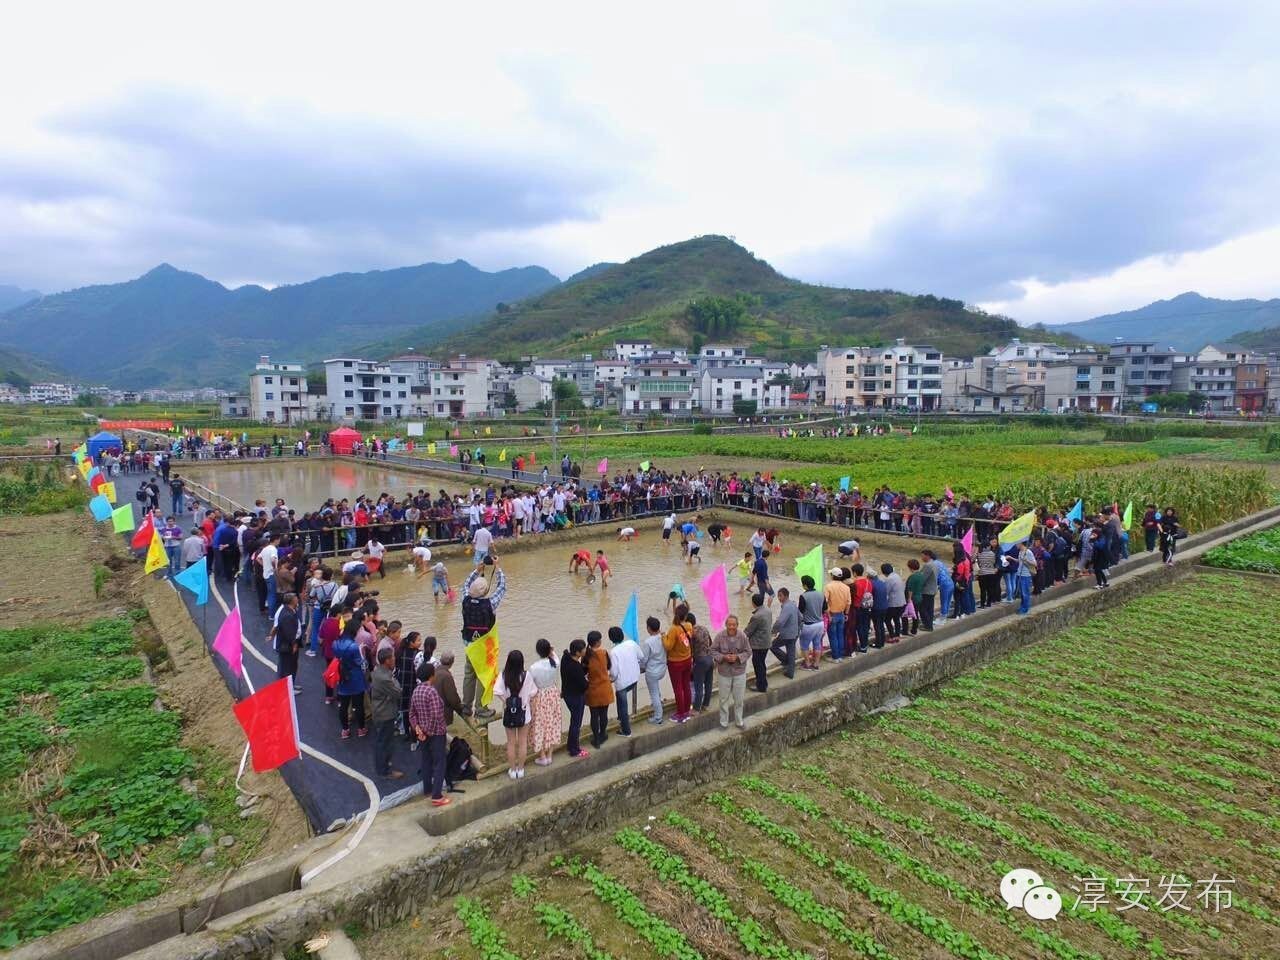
point(480, 601)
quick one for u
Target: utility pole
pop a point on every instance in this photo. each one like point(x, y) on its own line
point(555, 427)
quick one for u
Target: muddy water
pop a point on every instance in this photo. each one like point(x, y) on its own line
point(544, 600)
point(306, 484)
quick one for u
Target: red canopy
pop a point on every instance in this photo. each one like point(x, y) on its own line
point(343, 440)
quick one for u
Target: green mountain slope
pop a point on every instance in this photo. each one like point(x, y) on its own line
point(651, 296)
point(173, 328)
point(21, 369)
point(1187, 322)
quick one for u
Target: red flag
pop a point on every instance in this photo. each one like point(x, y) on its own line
point(533, 458)
point(142, 536)
point(97, 481)
point(271, 724)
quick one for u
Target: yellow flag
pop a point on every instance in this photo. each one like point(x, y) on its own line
point(85, 467)
point(502, 456)
point(599, 427)
point(157, 559)
point(1018, 529)
point(488, 431)
point(431, 449)
point(108, 490)
point(482, 652)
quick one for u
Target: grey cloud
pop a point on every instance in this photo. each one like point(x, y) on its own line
point(295, 194)
point(1083, 198)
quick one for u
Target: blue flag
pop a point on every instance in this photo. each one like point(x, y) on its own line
point(631, 619)
point(100, 507)
point(196, 579)
point(1077, 512)
point(844, 484)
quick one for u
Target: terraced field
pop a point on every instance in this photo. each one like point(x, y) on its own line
point(1132, 763)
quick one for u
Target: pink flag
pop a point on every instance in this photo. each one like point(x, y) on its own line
point(603, 467)
point(967, 541)
point(716, 589)
point(453, 449)
point(949, 494)
point(227, 642)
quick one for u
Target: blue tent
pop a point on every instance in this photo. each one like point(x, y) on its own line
point(103, 441)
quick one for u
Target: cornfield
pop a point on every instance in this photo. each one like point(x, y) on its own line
point(1203, 497)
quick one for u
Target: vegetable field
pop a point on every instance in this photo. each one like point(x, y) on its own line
point(1132, 764)
point(1259, 552)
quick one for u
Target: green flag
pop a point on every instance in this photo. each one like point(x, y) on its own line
point(810, 565)
point(122, 518)
point(1128, 515)
point(644, 466)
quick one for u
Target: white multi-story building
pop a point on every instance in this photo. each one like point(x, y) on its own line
point(628, 350)
point(722, 385)
point(358, 389)
point(278, 392)
point(59, 393)
point(901, 375)
point(234, 405)
point(11, 394)
point(460, 388)
point(1088, 380)
point(661, 385)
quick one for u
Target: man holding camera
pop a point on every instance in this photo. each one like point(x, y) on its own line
point(482, 592)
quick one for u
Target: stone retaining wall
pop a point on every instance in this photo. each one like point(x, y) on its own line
point(414, 857)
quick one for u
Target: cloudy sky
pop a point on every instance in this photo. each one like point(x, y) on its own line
point(1051, 163)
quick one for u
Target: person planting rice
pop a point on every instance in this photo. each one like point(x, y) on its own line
point(602, 568)
point(627, 534)
point(579, 559)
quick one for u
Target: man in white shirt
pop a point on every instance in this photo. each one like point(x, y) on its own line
point(376, 551)
point(668, 524)
point(483, 543)
point(851, 549)
point(268, 557)
point(624, 671)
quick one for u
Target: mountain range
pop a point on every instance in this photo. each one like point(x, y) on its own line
point(1187, 322)
point(174, 328)
point(11, 297)
point(667, 294)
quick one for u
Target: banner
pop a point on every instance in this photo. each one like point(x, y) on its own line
point(121, 517)
point(967, 542)
point(1127, 520)
point(100, 507)
point(844, 484)
point(136, 424)
point(157, 559)
point(603, 466)
point(431, 448)
point(145, 531)
point(108, 490)
point(227, 643)
point(482, 652)
point(631, 619)
point(715, 588)
point(270, 721)
point(1019, 529)
point(1077, 512)
point(196, 579)
point(413, 429)
point(810, 565)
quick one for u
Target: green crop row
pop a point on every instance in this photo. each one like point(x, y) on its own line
point(665, 939)
point(1259, 552)
point(890, 853)
point(887, 900)
point(801, 902)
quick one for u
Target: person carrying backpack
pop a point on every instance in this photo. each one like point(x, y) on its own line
point(516, 688)
point(480, 601)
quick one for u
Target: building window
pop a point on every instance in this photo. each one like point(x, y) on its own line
point(1108, 386)
point(267, 380)
point(347, 378)
point(347, 363)
point(293, 381)
point(912, 384)
point(347, 394)
point(888, 385)
point(269, 396)
point(977, 402)
point(1082, 371)
point(1108, 371)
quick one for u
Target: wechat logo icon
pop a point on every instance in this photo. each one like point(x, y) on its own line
point(1027, 889)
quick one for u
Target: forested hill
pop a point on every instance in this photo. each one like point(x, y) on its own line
point(710, 288)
